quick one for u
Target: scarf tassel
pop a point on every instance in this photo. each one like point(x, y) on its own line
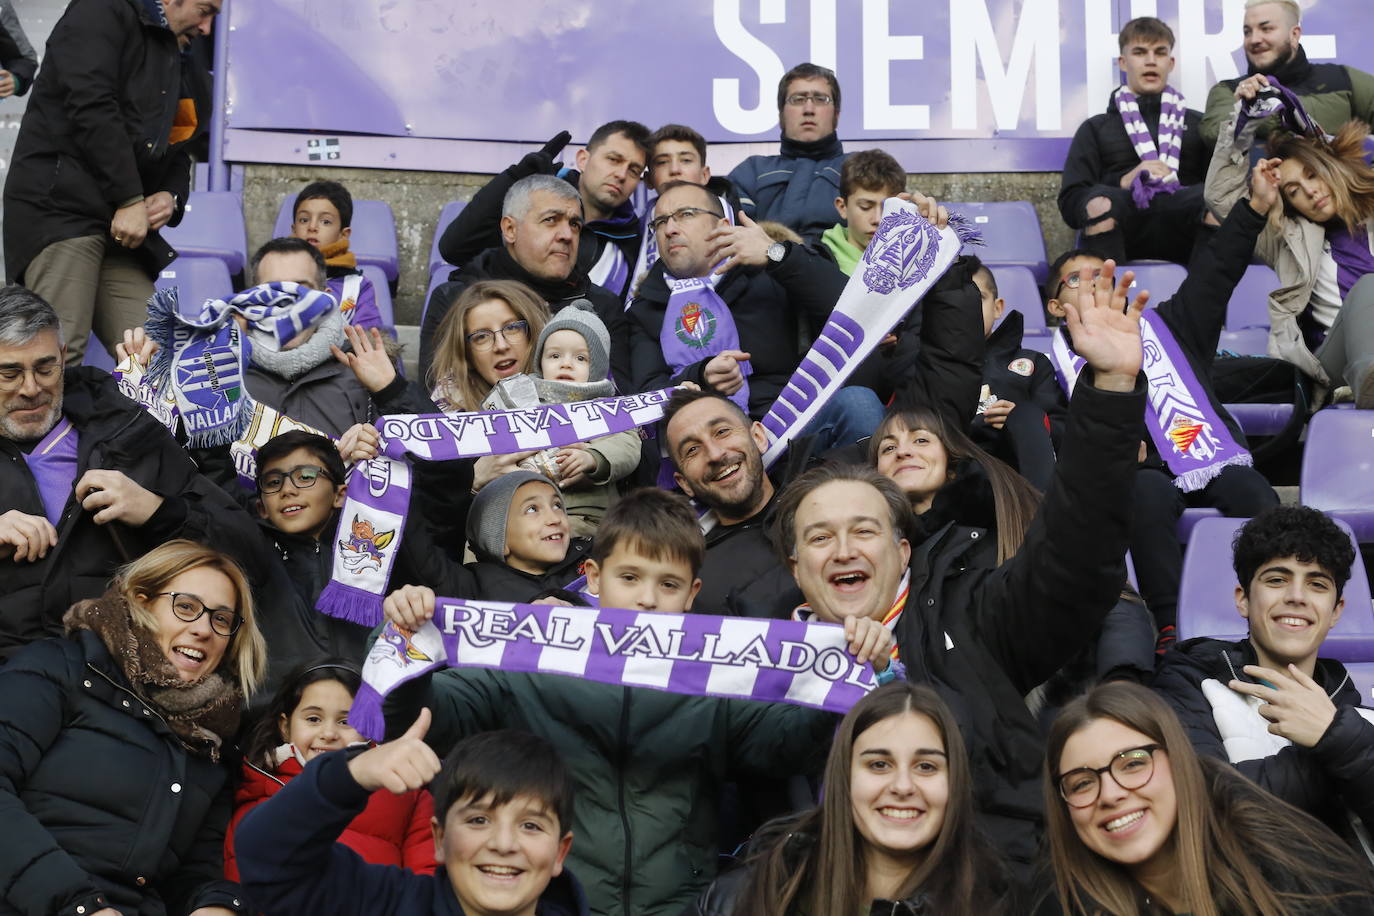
point(354, 605)
point(1197, 478)
point(365, 715)
point(963, 228)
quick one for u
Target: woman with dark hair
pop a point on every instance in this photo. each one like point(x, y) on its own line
point(113, 788)
point(949, 478)
point(894, 833)
point(1138, 823)
point(1322, 314)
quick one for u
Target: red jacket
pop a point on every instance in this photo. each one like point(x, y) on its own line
point(392, 830)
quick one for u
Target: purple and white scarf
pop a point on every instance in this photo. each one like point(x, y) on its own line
point(1278, 100)
point(773, 661)
point(200, 361)
point(1185, 429)
point(611, 271)
point(648, 247)
point(372, 521)
point(1172, 114)
point(698, 324)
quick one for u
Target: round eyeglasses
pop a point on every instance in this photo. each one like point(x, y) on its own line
point(1131, 769)
point(190, 608)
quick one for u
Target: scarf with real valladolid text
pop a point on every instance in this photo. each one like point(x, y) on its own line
point(1186, 431)
point(1172, 114)
point(907, 255)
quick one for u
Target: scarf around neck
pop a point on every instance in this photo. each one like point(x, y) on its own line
point(551, 291)
point(292, 364)
point(824, 148)
point(203, 714)
point(1172, 114)
point(698, 324)
point(336, 254)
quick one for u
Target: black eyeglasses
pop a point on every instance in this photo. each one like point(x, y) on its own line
point(190, 608)
point(1131, 769)
point(515, 332)
point(798, 99)
point(681, 215)
point(303, 476)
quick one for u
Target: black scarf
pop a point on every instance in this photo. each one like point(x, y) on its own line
point(549, 290)
point(1292, 73)
point(824, 148)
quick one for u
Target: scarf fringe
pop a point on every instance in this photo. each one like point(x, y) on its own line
point(163, 308)
point(1197, 478)
point(963, 228)
point(365, 715)
point(343, 602)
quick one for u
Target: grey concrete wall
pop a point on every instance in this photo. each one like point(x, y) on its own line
point(417, 197)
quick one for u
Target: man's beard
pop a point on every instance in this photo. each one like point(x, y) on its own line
point(29, 432)
point(751, 467)
point(1284, 59)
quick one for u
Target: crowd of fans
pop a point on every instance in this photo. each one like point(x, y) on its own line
point(175, 731)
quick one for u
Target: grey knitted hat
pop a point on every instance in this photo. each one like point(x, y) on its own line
point(490, 510)
point(580, 316)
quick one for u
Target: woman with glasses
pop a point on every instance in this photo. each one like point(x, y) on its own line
point(114, 778)
point(1139, 824)
point(894, 833)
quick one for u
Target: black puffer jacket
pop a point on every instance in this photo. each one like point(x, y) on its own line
point(99, 797)
point(1020, 375)
point(1327, 780)
point(97, 131)
point(117, 434)
point(496, 581)
point(1101, 154)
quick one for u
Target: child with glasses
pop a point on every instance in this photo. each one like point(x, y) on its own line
point(1138, 823)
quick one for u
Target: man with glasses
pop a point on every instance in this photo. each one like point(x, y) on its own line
point(1288, 719)
point(798, 186)
point(722, 307)
point(91, 481)
point(541, 225)
point(1189, 327)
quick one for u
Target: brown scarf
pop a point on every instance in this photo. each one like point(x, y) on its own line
point(203, 713)
point(336, 254)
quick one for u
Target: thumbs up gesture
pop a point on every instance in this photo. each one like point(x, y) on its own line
point(398, 766)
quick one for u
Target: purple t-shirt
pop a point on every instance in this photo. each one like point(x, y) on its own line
point(1351, 254)
point(53, 465)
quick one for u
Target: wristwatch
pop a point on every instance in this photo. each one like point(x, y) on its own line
point(776, 252)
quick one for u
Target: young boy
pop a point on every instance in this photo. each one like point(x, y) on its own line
point(649, 765)
point(519, 532)
point(323, 216)
point(1020, 379)
point(1288, 719)
point(503, 805)
point(866, 180)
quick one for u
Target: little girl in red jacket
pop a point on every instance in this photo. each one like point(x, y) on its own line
point(310, 714)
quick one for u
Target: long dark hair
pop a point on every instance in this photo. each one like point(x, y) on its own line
point(1232, 838)
point(814, 863)
point(1014, 499)
point(266, 735)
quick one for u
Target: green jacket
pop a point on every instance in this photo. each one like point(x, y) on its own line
point(648, 766)
point(1331, 93)
point(847, 254)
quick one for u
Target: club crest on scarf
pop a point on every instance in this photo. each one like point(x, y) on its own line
point(696, 326)
point(396, 647)
point(363, 549)
point(902, 252)
point(1184, 433)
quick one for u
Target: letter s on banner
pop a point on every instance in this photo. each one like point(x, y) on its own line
point(725, 93)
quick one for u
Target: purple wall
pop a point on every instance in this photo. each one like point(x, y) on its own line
point(964, 85)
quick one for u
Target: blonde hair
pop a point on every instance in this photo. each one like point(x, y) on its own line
point(1340, 163)
point(451, 371)
point(1290, 6)
point(150, 573)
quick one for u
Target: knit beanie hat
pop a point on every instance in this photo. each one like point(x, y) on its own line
point(490, 510)
point(580, 316)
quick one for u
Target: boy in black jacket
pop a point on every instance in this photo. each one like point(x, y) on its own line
point(502, 810)
point(520, 534)
point(1289, 720)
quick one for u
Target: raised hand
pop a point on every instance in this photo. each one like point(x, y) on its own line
point(359, 442)
point(1264, 185)
point(1105, 326)
point(723, 373)
point(368, 360)
point(409, 607)
point(869, 641)
point(744, 244)
point(399, 766)
point(928, 207)
point(1251, 86)
point(1296, 706)
point(137, 345)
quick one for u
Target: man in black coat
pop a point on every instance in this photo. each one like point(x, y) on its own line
point(101, 162)
point(1104, 162)
point(90, 480)
point(985, 637)
point(540, 228)
point(608, 171)
point(1288, 719)
point(18, 61)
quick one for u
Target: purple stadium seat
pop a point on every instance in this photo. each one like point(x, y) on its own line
point(96, 355)
point(446, 216)
point(1206, 599)
point(1249, 305)
point(1189, 519)
point(1338, 468)
point(373, 240)
point(1362, 673)
point(1246, 341)
point(1040, 343)
point(1011, 234)
point(1017, 286)
point(1261, 419)
point(212, 227)
point(1161, 278)
point(383, 291)
point(196, 280)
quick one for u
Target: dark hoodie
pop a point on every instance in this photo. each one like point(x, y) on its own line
point(1020, 375)
point(497, 581)
point(1327, 780)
